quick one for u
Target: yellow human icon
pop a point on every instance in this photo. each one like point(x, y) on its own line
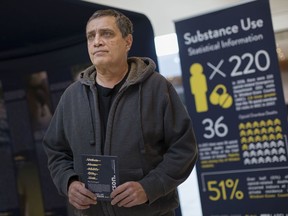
point(198, 85)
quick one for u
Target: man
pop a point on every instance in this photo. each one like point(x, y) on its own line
point(121, 107)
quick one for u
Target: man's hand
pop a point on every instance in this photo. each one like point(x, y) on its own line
point(79, 196)
point(129, 194)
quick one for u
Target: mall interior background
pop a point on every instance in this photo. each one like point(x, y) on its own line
point(162, 15)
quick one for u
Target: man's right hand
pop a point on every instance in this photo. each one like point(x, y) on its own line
point(79, 196)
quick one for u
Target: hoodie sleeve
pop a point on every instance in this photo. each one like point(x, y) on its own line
point(60, 158)
point(181, 154)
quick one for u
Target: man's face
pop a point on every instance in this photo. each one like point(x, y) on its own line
point(106, 46)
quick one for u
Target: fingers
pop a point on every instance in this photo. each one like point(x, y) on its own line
point(129, 194)
point(126, 195)
point(121, 197)
point(79, 196)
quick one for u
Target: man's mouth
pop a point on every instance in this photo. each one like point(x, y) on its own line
point(99, 52)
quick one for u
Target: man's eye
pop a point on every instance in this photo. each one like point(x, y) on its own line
point(107, 34)
point(90, 37)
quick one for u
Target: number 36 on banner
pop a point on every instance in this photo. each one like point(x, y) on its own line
point(218, 128)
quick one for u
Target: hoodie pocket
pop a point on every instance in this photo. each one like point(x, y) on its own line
point(126, 175)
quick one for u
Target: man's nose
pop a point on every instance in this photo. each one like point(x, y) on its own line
point(97, 41)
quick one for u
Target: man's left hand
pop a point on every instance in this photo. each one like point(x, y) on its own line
point(129, 194)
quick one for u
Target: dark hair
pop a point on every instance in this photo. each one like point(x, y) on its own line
point(124, 23)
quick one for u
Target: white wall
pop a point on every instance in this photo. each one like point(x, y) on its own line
point(163, 13)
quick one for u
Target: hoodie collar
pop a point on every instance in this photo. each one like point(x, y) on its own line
point(140, 69)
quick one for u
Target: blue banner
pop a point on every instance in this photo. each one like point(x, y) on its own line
point(234, 94)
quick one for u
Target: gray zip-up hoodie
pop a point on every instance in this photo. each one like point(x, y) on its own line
point(148, 129)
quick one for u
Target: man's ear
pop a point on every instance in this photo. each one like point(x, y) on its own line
point(129, 41)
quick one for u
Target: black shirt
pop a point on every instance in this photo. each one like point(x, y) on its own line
point(105, 98)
